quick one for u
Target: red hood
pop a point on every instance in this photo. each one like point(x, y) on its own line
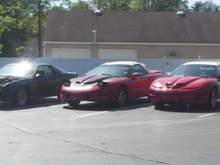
point(89, 79)
point(180, 81)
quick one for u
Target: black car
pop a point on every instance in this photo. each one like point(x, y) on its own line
point(19, 82)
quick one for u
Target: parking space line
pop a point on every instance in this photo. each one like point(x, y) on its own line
point(90, 114)
point(16, 126)
point(207, 115)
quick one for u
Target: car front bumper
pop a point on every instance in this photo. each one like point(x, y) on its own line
point(187, 96)
point(104, 94)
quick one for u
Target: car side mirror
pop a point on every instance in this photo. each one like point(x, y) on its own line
point(39, 74)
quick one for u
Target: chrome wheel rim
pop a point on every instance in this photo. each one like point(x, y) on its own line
point(122, 97)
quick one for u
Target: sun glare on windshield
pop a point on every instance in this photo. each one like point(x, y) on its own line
point(21, 69)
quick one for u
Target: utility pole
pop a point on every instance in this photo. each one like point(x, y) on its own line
point(99, 4)
point(39, 28)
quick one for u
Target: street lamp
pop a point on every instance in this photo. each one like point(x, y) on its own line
point(39, 28)
point(94, 35)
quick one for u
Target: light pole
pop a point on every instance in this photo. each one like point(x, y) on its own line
point(94, 35)
point(39, 28)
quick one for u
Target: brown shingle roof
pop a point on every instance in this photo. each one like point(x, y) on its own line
point(147, 27)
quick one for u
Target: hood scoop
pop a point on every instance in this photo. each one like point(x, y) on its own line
point(169, 85)
point(90, 79)
point(179, 82)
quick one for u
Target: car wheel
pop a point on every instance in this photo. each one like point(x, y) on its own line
point(213, 99)
point(122, 97)
point(73, 103)
point(22, 97)
point(58, 97)
point(158, 106)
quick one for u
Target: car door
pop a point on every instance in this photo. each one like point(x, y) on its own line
point(45, 84)
point(139, 81)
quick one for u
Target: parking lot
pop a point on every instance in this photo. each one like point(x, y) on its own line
point(50, 133)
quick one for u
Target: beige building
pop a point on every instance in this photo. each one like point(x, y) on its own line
point(131, 35)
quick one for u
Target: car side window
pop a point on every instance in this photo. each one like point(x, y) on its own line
point(46, 69)
point(138, 69)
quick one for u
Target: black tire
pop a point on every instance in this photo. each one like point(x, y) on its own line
point(159, 106)
point(22, 97)
point(73, 103)
point(212, 99)
point(122, 97)
point(58, 97)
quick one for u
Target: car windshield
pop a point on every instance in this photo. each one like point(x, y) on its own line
point(17, 70)
point(196, 70)
point(111, 70)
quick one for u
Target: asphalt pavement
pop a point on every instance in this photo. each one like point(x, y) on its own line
point(50, 133)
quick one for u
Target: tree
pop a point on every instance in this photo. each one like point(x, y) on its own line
point(19, 23)
point(207, 6)
point(80, 5)
point(17, 26)
point(142, 5)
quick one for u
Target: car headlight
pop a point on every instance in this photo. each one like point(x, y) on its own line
point(67, 83)
point(158, 85)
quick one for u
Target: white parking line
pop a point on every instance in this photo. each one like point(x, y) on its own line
point(16, 126)
point(207, 115)
point(90, 114)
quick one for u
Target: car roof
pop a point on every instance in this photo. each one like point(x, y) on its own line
point(130, 63)
point(214, 63)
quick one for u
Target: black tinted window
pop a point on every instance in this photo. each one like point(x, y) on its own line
point(46, 69)
point(138, 69)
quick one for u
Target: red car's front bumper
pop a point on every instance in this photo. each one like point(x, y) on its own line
point(179, 96)
point(92, 93)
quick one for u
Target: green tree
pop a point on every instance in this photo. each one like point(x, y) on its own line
point(142, 5)
point(16, 24)
point(207, 6)
point(19, 23)
point(111, 4)
point(80, 5)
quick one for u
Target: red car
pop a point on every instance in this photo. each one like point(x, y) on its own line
point(110, 82)
point(191, 83)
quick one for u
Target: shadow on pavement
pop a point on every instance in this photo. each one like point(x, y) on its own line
point(190, 109)
point(36, 103)
point(93, 106)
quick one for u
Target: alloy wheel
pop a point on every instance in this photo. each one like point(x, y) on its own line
point(122, 97)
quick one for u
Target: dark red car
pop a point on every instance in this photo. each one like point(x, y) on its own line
point(110, 82)
point(191, 83)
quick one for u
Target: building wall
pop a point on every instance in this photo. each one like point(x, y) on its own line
point(145, 50)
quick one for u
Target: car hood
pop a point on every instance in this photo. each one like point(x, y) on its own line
point(90, 79)
point(8, 79)
point(181, 81)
